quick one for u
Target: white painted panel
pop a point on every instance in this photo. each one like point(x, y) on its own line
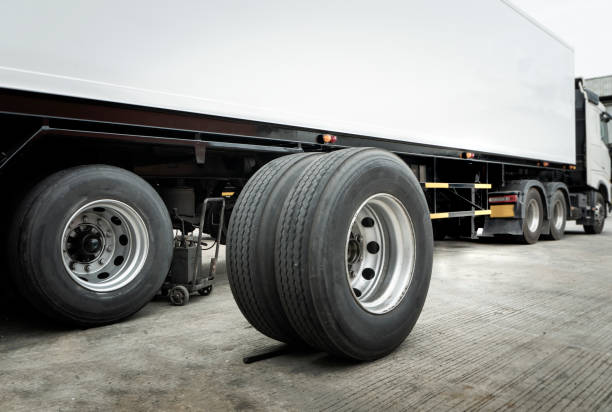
point(471, 74)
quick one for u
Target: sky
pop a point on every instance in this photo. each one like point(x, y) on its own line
point(586, 25)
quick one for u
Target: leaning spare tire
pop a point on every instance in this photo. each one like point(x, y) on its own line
point(91, 244)
point(353, 253)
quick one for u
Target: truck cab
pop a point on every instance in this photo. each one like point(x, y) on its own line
point(597, 144)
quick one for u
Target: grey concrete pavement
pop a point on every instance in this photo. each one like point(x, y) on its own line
point(504, 327)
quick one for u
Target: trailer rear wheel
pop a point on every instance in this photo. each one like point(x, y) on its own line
point(558, 217)
point(354, 252)
point(250, 245)
point(92, 244)
point(534, 217)
point(599, 216)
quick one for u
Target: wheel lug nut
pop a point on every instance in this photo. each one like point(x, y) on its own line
point(101, 261)
point(87, 268)
point(84, 219)
point(109, 248)
point(373, 247)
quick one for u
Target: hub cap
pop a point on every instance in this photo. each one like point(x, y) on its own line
point(380, 253)
point(104, 245)
point(533, 215)
point(599, 212)
point(558, 215)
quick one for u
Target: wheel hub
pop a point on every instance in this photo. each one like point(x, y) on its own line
point(104, 245)
point(380, 253)
point(598, 213)
point(85, 243)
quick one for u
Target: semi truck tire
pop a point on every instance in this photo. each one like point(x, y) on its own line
point(558, 218)
point(534, 217)
point(250, 247)
point(600, 216)
point(90, 245)
point(354, 251)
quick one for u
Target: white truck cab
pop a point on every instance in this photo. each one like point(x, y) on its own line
point(598, 143)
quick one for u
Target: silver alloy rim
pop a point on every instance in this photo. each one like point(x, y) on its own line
point(533, 215)
point(599, 213)
point(104, 245)
point(380, 253)
point(559, 215)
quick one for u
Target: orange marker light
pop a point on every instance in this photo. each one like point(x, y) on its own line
point(328, 138)
point(545, 164)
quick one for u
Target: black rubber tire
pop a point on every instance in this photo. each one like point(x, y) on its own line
point(310, 256)
point(35, 259)
point(530, 237)
point(250, 245)
point(597, 228)
point(557, 233)
point(179, 295)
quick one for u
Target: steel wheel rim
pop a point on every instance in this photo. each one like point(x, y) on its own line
point(533, 215)
point(598, 213)
point(104, 245)
point(380, 253)
point(559, 214)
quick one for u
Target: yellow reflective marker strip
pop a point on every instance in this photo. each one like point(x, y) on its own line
point(227, 194)
point(466, 213)
point(482, 186)
point(501, 211)
point(436, 185)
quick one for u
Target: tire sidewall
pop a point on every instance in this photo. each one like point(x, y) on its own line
point(47, 219)
point(335, 303)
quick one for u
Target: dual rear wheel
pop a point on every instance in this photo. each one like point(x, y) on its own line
point(333, 251)
point(533, 222)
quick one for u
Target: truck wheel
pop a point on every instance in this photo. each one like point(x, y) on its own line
point(250, 247)
point(599, 216)
point(354, 252)
point(534, 217)
point(92, 244)
point(558, 217)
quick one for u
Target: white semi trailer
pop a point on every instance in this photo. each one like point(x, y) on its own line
point(335, 133)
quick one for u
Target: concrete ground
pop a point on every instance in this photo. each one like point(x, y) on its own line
point(504, 327)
